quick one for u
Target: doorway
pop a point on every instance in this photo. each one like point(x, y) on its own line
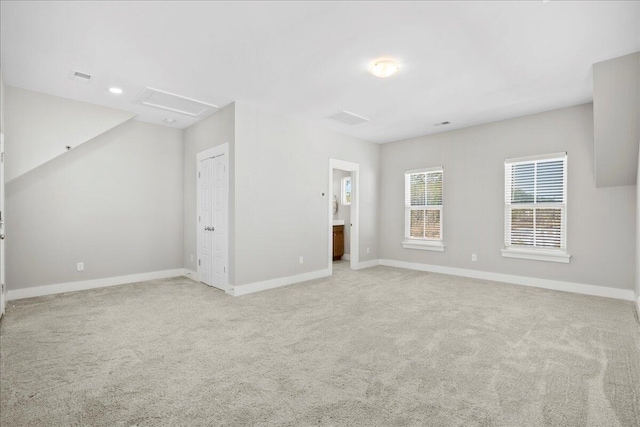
point(212, 223)
point(344, 170)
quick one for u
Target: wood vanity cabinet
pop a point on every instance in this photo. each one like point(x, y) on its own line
point(338, 242)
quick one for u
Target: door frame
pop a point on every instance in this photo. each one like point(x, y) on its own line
point(354, 232)
point(3, 270)
point(218, 150)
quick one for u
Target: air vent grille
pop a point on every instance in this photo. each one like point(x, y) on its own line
point(80, 76)
point(349, 118)
point(178, 104)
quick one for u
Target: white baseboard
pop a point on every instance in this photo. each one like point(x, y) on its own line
point(556, 285)
point(346, 257)
point(191, 274)
point(368, 264)
point(58, 288)
point(236, 291)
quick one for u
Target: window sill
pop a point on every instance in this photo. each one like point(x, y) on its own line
point(423, 245)
point(537, 255)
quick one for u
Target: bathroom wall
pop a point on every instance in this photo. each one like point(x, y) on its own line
point(344, 211)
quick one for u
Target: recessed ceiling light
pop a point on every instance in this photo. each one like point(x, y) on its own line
point(384, 68)
point(115, 90)
point(171, 121)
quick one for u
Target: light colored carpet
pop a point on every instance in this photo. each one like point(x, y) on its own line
point(377, 347)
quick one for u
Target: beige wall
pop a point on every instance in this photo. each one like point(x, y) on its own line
point(282, 166)
point(600, 221)
point(114, 203)
point(217, 129)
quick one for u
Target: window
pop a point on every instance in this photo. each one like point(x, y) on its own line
point(423, 209)
point(346, 190)
point(535, 211)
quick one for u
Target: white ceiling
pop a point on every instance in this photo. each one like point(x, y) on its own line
point(465, 62)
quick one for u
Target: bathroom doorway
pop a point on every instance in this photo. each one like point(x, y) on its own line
point(343, 213)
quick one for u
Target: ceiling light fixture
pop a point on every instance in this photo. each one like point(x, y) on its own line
point(384, 68)
point(115, 90)
point(171, 121)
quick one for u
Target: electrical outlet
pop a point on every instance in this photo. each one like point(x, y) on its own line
point(474, 257)
point(368, 249)
point(191, 257)
point(80, 266)
point(301, 260)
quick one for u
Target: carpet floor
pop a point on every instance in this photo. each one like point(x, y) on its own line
point(375, 347)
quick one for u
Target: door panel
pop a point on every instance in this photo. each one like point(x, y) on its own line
point(206, 220)
point(213, 222)
point(219, 221)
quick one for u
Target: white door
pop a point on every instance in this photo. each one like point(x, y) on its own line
point(2, 273)
point(212, 262)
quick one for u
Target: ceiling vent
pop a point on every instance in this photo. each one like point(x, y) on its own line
point(178, 104)
point(80, 76)
point(349, 118)
point(442, 124)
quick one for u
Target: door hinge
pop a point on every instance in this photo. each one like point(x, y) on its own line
point(2, 157)
point(224, 269)
point(199, 218)
point(198, 174)
point(199, 262)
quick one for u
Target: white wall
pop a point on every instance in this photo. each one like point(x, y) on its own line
point(282, 166)
point(217, 129)
point(616, 106)
point(600, 221)
point(114, 203)
point(2, 92)
point(40, 126)
point(637, 260)
point(344, 211)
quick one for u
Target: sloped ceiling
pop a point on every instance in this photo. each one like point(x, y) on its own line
point(39, 127)
point(467, 62)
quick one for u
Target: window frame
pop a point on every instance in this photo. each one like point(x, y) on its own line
point(538, 253)
point(424, 243)
point(343, 191)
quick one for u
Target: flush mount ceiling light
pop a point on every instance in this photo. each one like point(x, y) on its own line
point(384, 68)
point(170, 121)
point(115, 90)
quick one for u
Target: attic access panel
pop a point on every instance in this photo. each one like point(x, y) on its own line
point(178, 104)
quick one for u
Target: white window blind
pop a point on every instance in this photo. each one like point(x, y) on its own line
point(423, 205)
point(536, 202)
